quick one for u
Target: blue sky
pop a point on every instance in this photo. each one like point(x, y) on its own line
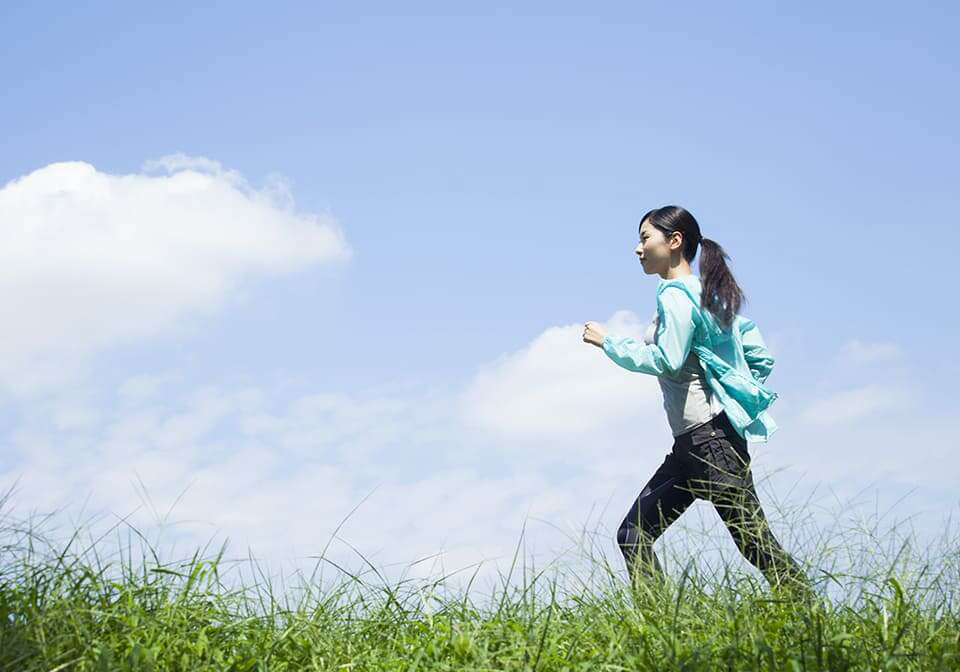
point(486, 169)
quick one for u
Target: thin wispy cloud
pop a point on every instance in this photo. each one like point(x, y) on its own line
point(860, 352)
point(854, 404)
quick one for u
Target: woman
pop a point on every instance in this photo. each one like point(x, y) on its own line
point(711, 364)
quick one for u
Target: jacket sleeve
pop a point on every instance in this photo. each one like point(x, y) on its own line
point(667, 355)
point(755, 351)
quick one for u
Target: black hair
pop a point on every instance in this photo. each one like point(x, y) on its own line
point(721, 295)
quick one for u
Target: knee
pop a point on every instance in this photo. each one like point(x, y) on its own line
point(630, 536)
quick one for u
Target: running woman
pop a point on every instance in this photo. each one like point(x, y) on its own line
point(711, 364)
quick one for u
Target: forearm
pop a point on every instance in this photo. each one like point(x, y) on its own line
point(760, 366)
point(637, 356)
point(755, 351)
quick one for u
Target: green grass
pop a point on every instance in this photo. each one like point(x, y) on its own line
point(64, 607)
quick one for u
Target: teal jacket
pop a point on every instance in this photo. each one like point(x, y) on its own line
point(735, 363)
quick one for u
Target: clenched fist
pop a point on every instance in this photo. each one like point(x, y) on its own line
point(593, 332)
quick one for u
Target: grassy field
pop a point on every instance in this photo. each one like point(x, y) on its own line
point(63, 607)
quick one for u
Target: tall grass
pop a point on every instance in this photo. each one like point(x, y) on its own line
point(881, 605)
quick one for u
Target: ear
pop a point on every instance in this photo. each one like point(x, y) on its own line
point(676, 240)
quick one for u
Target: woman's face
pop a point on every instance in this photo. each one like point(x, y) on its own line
point(654, 249)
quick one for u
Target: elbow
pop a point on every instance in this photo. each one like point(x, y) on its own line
point(672, 369)
point(674, 360)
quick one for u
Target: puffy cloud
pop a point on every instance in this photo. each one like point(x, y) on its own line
point(558, 386)
point(90, 260)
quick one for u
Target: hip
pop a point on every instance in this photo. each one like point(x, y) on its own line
point(713, 451)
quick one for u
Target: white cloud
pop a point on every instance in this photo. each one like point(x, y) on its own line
point(859, 352)
point(554, 435)
point(90, 260)
point(559, 385)
point(857, 403)
point(281, 476)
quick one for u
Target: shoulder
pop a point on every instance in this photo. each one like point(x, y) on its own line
point(677, 302)
point(676, 294)
point(743, 324)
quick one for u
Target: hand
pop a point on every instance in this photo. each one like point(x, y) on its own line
point(594, 333)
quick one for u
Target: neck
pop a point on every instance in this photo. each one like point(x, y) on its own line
point(680, 270)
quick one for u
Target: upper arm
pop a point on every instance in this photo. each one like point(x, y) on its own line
point(675, 333)
point(675, 313)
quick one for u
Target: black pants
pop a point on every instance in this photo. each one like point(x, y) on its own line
point(708, 462)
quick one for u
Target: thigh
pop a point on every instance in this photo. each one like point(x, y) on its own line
point(728, 484)
point(723, 468)
point(664, 497)
point(743, 515)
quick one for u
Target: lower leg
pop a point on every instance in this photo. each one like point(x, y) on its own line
point(637, 549)
point(659, 504)
point(747, 524)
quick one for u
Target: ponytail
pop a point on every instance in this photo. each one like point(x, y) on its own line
point(720, 293)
